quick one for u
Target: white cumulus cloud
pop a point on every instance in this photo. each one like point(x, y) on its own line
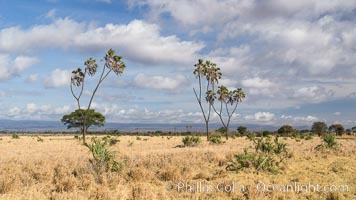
point(138, 41)
point(57, 78)
point(159, 82)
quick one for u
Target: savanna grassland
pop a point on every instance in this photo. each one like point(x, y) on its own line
point(58, 167)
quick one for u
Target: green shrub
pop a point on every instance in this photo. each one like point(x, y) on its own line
point(215, 139)
point(157, 133)
point(329, 141)
point(103, 158)
point(138, 138)
point(130, 143)
point(268, 156)
point(266, 133)
point(189, 141)
point(15, 136)
point(109, 140)
point(39, 139)
point(308, 137)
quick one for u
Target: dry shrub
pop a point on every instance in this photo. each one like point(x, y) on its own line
point(142, 191)
point(333, 196)
point(6, 183)
point(100, 192)
point(86, 181)
point(203, 175)
point(138, 174)
point(169, 173)
point(63, 179)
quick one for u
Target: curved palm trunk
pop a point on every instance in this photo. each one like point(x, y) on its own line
point(207, 130)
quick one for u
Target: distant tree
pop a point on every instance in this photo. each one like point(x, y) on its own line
point(348, 131)
point(75, 119)
point(304, 131)
point(353, 129)
point(286, 130)
point(337, 128)
point(242, 130)
point(208, 76)
point(221, 130)
point(319, 128)
point(266, 133)
point(113, 63)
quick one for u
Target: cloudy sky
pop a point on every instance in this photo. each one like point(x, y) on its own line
point(296, 60)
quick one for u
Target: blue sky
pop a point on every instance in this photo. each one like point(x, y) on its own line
point(295, 60)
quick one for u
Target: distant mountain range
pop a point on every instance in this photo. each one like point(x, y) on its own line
point(52, 126)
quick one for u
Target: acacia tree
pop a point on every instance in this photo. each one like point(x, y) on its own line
point(286, 130)
point(228, 104)
point(242, 130)
point(208, 76)
point(338, 128)
point(75, 119)
point(319, 128)
point(113, 63)
point(353, 129)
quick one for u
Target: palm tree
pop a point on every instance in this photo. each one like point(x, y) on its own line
point(228, 99)
point(113, 63)
point(206, 70)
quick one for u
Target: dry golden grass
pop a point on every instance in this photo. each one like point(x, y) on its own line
point(58, 168)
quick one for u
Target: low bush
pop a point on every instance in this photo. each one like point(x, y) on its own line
point(15, 136)
point(103, 158)
point(39, 139)
point(328, 141)
point(268, 156)
point(215, 139)
point(189, 141)
point(308, 137)
point(109, 140)
point(130, 143)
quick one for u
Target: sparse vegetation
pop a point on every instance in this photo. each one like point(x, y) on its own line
point(130, 143)
point(103, 158)
point(267, 156)
point(28, 169)
point(189, 141)
point(39, 139)
point(15, 136)
point(215, 139)
point(329, 141)
point(308, 137)
point(110, 140)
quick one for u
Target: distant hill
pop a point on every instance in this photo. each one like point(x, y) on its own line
point(42, 126)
